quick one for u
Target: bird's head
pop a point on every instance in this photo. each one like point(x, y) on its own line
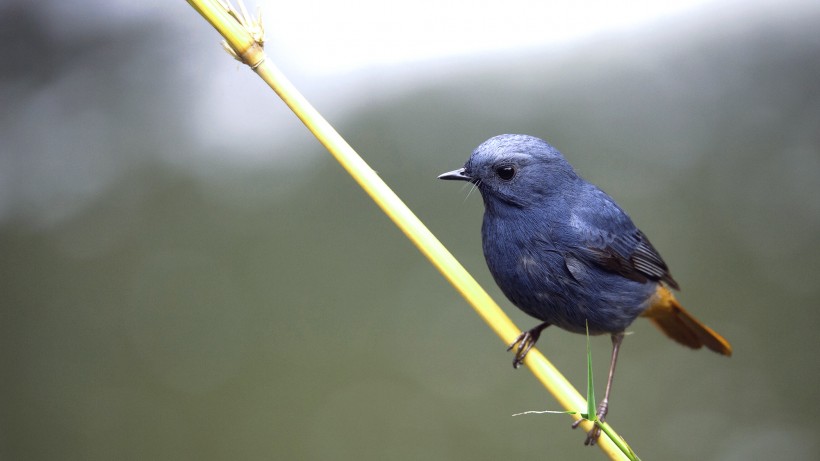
point(516, 170)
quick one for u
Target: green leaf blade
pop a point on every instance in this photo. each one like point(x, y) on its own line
point(591, 405)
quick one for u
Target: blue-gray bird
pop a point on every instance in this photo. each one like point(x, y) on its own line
point(565, 253)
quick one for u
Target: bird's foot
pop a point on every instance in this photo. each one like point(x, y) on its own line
point(525, 341)
point(595, 432)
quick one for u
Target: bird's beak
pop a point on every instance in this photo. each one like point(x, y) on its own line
point(456, 175)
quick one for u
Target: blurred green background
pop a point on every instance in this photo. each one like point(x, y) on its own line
point(186, 274)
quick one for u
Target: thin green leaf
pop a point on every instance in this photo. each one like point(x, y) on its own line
point(591, 414)
point(591, 405)
point(619, 442)
point(541, 412)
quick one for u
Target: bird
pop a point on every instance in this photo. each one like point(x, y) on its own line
point(562, 251)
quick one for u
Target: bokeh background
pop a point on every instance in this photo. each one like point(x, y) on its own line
point(187, 274)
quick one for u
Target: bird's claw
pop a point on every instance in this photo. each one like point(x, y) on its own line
point(525, 342)
point(595, 432)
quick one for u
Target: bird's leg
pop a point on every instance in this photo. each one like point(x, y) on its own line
point(525, 341)
point(603, 407)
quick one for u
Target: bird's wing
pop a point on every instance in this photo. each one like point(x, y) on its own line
point(610, 240)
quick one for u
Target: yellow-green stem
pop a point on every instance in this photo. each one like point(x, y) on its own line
point(252, 54)
point(618, 441)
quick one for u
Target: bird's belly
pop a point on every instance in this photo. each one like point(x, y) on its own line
point(541, 285)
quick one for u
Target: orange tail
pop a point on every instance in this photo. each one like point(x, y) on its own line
point(668, 315)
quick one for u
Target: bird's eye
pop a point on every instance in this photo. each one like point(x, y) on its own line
point(505, 172)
